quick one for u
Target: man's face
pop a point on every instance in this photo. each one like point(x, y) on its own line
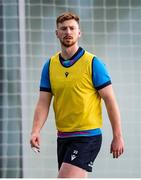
point(68, 32)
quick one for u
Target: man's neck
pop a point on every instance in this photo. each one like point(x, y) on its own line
point(68, 52)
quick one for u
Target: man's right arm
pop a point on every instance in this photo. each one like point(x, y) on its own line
point(40, 116)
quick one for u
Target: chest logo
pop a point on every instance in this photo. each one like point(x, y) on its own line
point(66, 74)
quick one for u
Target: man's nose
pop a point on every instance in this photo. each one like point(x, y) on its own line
point(68, 31)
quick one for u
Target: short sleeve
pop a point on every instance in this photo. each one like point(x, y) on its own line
point(45, 79)
point(100, 75)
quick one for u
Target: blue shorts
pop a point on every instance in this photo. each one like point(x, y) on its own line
point(79, 151)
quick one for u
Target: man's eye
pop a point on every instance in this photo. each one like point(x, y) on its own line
point(72, 28)
point(63, 28)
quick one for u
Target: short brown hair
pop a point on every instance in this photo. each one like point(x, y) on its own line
point(67, 16)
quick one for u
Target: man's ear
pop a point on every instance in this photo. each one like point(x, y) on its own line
point(56, 32)
point(79, 33)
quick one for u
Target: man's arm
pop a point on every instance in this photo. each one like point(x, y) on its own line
point(40, 116)
point(117, 145)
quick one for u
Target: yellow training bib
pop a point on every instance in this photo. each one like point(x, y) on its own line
point(77, 104)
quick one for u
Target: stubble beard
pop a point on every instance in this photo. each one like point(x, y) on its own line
point(67, 44)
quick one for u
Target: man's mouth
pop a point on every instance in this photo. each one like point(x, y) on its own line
point(68, 37)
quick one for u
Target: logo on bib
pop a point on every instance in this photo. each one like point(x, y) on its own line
point(66, 74)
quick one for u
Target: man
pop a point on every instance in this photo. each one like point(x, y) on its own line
point(78, 81)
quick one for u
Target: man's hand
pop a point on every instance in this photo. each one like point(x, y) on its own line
point(117, 147)
point(35, 140)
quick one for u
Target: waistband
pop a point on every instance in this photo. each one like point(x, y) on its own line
point(91, 132)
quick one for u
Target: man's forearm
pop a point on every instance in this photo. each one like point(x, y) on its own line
point(41, 111)
point(40, 117)
point(114, 116)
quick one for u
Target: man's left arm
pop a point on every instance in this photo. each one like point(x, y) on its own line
point(117, 145)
